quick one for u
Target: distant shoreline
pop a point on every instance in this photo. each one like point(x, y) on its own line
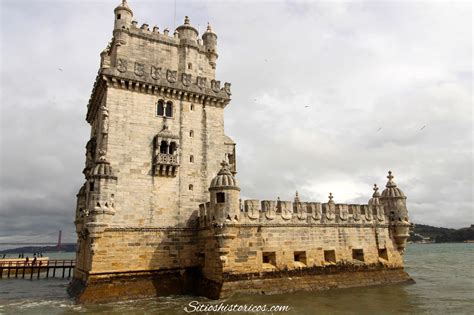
point(67, 247)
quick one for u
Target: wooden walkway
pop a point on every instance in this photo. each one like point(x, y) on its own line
point(40, 269)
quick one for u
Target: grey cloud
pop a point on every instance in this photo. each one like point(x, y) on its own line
point(358, 66)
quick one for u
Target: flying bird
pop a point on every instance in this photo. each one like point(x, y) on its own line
point(380, 128)
point(423, 127)
point(306, 106)
point(60, 69)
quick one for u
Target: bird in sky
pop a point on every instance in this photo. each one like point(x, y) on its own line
point(60, 69)
point(423, 127)
point(380, 128)
point(306, 106)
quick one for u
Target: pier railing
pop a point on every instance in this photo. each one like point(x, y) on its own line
point(36, 268)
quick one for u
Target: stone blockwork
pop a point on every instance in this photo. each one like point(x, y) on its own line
point(160, 210)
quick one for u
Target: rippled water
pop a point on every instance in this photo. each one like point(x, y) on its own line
point(444, 275)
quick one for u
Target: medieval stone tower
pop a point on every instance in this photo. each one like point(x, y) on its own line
point(160, 209)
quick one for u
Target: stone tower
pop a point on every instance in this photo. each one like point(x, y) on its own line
point(160, 211)
point(157, 139)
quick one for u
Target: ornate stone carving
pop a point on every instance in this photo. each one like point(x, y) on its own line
point(216, 85)
point(122, 65)
point(186, 79)
point(252, 208)
point(227, 88)
point(355, 212)
point(268, 206)
point(285, 208)
point(155, 73)
point(171, 76)
point(201, 82)
point(315, 209)
point(139, 69)
point(105, 120)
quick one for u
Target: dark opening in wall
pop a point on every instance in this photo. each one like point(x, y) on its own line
point(383, 253)
point(169, 109)
point(191, 187)
point(300, 256)
point(118, 16)
point(91, 186)
point(220, 197)
point(191, 159)
point(191, 107)
point(160, 108)
point(330, 256)
point(358, 254)
point(269, 258)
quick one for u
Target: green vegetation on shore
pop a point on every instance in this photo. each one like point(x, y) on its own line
point(426, 233)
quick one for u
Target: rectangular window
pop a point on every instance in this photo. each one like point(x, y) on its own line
point(300, 257)
point(330, 256)
point(220, 197)
point(269, 258)
point(383, 253)
point(358, 254)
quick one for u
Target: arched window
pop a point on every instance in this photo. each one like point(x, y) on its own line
point(164, 147)
point(169, 109)
point(191, 158)
point(191, 133)
point(191, 187)
point(172, 147)
point(160, 108)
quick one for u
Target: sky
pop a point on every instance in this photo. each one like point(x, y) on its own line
point(326, 97)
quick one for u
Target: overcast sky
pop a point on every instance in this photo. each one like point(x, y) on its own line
point(327, 97)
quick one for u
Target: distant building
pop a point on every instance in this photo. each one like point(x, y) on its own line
point(160, 211)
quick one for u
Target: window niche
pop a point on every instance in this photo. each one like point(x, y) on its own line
point(383, 253)
point(165, 153)
point(269, 258)
point(220, 197)
point(164, 109)
point(300, 257)
point(358, 254)
point(330, 256)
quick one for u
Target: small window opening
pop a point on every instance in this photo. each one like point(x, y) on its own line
point(169, 109)
point(118, 16)
point(191, 107)
point(231, 158)
point(358, 254)
point(191, 159)
point(269, 258)
point(383, 253)
point(190, 66)
point(330, 256)
point(91, 186)
point(191, 187)
point(172, 147)
point(191, 134)
point(300, 257)
point(220, 197)
point(160, 110)
point(164, 147)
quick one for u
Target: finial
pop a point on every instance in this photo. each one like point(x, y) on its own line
point(390, 176)
point(330, 196)
point(376, 191)
point(186, 20)
point(278, 199)
point(390, 183)
point(209, 29)
point(124, 2)
point(224, 164)
point(297, 197)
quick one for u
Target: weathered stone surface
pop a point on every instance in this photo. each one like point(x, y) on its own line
point(160, 211)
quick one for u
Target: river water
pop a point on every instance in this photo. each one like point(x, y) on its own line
point(444, 275)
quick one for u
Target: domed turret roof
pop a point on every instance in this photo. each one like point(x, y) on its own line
point(123, 6)
point(391, 190)
point(224, 179)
